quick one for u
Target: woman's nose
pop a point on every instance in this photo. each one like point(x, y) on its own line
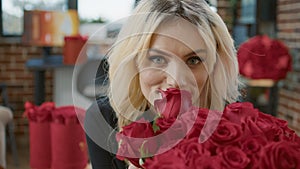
point(175, 75)
point(172, 82)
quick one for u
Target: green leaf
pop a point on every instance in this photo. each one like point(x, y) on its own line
point(155, 127)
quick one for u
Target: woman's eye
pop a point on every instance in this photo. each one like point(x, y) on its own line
point(194, 60)
point(158, 59)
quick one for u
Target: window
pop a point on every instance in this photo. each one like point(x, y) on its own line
point(11, 20)
point(104, 10)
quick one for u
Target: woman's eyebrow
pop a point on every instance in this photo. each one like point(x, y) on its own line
point(159, 51)
point(195, 52)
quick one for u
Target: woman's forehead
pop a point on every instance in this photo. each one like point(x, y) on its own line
point(182, 31)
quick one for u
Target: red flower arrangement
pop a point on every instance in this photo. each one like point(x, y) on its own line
point(57, 139)
point(40, 118)
point(260, 54)
point(186, 137)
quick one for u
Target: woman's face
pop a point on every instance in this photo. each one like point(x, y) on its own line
point(175, 59)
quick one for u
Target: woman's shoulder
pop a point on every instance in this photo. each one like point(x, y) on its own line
point(103, 103)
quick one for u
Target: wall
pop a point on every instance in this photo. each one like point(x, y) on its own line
point(226, 12)
point(19, 79)
point(288, 25)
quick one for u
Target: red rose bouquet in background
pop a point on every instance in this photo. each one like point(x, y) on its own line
point(40, 118)
point(184, 136)
point(57, 139)
point(260, 54)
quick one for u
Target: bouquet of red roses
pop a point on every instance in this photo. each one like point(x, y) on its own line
point(184, 136)
point(260, 54)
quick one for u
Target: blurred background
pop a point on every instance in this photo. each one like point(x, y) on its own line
point(37, 56)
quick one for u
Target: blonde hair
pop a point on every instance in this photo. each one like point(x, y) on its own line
point(135, 36)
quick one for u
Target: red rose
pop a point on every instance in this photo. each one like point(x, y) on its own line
point(192, 150)
point(226, 133)
point(206, 162)
point(211, 123)
point(30, 111)
point(172, 159)
point(44, 112)
point(130, 146)
point(173, 102)
point(251, 128)
point(202, 115)
point(138, 129)
point(253, 144)
point(171, 132)
point(266, 119)
point(194, 119)
point(233, 157)
point(164, 124)
point(280, 155)
point(289, 135)
point(240, 112)
point(47, 106)
point(295, 138)
point(272, 127)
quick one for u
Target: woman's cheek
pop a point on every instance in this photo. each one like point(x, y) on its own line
point(150, 81)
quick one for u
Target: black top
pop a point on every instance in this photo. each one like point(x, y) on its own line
point(100, 122)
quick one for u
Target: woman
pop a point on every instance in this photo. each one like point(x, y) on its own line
point(164, 44)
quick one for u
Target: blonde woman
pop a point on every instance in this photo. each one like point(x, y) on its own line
point(163, 44)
